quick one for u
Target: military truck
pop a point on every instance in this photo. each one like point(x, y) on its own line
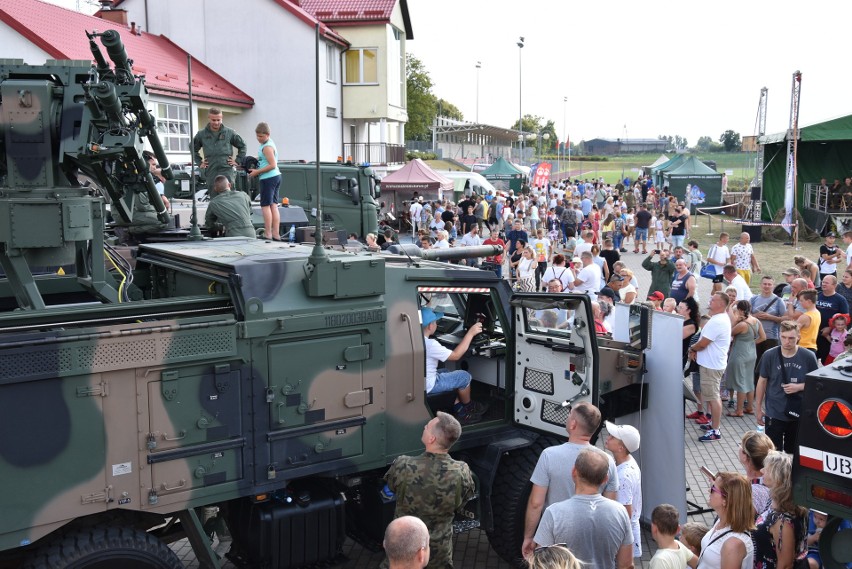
point(822, 465)
point(262, 386)
point(350, 192)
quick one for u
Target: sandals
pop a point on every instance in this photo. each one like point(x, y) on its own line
point(740, 414)
point(748, 411)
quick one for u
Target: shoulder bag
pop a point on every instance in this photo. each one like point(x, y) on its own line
point(708, 270)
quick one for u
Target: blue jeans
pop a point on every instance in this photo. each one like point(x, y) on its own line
point(616, 239)
point(641, 235)
point(450, 380)
point(677, 240)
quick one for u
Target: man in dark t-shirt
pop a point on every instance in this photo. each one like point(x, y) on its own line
point(643, 220)
point(678, 224)
point(610, 255)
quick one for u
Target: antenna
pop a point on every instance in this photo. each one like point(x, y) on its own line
point(194, 230)
point(318, 254)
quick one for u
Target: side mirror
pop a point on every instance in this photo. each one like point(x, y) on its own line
point(354, 191)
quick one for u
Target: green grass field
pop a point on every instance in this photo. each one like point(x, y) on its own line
point(614, 169)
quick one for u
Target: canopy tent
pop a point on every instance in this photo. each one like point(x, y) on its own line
point(504, 176)
point(694, 172)
point(657, 172)
point(824, 151)
point(659, 161)
point(416, 176)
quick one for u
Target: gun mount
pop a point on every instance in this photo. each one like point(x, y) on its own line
point(71, 138)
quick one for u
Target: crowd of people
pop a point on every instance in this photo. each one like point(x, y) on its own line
point(752, 351)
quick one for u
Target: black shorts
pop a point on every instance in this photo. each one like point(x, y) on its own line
point(269, 190)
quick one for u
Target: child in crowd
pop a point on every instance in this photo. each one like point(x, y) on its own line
point(847, 344)
point(816, 523)
point(691, 535)
point(837, 333)
point(669, 305)
point(671, 554)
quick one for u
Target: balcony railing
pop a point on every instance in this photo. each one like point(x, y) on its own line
point(379, 153)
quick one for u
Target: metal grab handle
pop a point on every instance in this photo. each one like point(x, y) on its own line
point(167, 488)
point(410, 396)
point(181, 435)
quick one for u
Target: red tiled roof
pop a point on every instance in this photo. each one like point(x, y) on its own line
point(60, 33)
point(351, 12)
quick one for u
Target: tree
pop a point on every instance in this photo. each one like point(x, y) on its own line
point(421, 103)
point(532, 124)
point(449, 110)
point(680, 142)
point(706, 144)
point(731, 141)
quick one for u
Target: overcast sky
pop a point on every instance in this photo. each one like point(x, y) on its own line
point(636, 69)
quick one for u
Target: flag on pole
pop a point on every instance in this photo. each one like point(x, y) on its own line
point(788, 194)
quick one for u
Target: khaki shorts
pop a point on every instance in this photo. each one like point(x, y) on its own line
point(711, 380)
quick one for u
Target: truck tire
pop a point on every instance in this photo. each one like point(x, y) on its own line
point(509, 495)
point(104, 547)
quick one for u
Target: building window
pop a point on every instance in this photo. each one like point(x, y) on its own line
point(173, 127)
point(362, 66)
point(330, 63)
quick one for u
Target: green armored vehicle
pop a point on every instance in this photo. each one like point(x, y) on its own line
point(272, 383)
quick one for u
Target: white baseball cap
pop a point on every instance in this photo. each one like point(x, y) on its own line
point(627, 434)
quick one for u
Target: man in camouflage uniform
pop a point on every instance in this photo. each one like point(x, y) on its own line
point(216, 139)
point(231, 209)
point(433, 486)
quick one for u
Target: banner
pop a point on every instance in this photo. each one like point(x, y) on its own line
point(542, 175)
point(788, 194)
point(533, 170)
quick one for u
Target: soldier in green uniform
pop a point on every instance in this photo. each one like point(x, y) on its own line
point(217, 140)
point(433, 486)
point(231, 209)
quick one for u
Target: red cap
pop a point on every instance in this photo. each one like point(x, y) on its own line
point(656, 295)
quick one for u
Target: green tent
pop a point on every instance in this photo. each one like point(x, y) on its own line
point(824, 151)
point(504, 176)
point(694, 172)
point(657, 171)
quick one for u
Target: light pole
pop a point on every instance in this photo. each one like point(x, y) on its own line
point(564, 134)
point(478, 67)
point(520, 99)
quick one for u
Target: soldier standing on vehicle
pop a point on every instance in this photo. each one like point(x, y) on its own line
point(217, 141)
point(230, 209)
point(433, 486)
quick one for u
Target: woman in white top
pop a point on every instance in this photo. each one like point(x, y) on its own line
point(533, 217)
point(727, 545)
point(627, 291)
point(526, 270)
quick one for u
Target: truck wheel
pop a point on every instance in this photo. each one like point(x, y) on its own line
point(104, 548)
point(509, 496)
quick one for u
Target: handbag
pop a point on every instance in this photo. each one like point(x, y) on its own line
point(708, 271)
point(793, 405)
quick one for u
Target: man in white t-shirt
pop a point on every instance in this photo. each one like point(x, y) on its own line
point(733, 277)
point(440, 381)
point(588, 280)
point(719, 256)
point(711, 355)
point(585, 244)
point(847, 238)
point(415, 211)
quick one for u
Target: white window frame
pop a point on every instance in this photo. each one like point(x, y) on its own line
point(332, 62)
point(169, 128)
point(360, 81)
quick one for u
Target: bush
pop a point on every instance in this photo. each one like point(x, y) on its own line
point(412, 154)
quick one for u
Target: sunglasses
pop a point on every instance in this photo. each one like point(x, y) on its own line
point(715, 490)
point(537, 549)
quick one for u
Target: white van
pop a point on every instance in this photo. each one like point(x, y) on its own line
point(468, 184)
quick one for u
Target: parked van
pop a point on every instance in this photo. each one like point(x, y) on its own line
point(468, 184)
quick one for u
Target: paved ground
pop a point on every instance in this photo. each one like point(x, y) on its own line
point(472, 549)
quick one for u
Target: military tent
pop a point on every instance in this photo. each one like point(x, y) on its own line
point(504, 176)
point(657, 171)
point(824, 151)
point(694, 172)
